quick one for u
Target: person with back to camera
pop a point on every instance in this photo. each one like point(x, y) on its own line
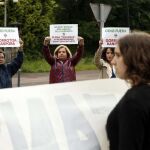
point(9, 69)
point(128, 124)
point(102, 60)
point(62, 62)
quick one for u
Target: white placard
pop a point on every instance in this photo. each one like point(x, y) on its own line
point(65, 116)
point(9, 37)
point(64, 34)
point(111, 35)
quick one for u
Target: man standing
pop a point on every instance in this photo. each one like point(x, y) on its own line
point(9, 69)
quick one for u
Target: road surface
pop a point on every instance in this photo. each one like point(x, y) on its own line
point(28, 79)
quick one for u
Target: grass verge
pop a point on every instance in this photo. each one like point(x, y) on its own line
point(41, 65)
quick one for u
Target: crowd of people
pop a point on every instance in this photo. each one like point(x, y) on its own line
point(128, 124)
point(62, 62)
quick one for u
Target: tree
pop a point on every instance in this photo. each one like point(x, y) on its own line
point(35, 17)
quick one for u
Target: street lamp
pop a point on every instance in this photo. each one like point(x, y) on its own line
point(1, 3)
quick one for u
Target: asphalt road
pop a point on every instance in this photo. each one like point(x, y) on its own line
point(29, 79)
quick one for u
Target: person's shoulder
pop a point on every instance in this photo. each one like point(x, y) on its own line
point(139, 90)
point(2, 66)
point(138, 96)
point(104, 63)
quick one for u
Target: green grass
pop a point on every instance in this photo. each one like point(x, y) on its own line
point(86, 64)
point(35, 66)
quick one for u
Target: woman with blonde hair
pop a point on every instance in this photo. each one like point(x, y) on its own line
point(62, 62)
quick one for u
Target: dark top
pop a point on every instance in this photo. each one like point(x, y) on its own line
point(113, 74)
point(8, 70)
point(128, 125)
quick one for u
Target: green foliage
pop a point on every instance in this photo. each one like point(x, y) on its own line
point(86, 64)
point(33, 18)
point(90, 32)
point(34, 66)
point(1, 15)
point(41, 65)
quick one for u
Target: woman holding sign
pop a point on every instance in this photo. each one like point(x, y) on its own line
point(128, 125)
point(62, 62)
point(102, 60)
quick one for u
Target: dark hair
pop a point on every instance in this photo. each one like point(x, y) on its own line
point(103, 56)
point(2, 51)
point(135, 49)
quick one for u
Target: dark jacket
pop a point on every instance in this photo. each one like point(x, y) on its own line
point(62, 71)
point(128, 125)
point(8, 70)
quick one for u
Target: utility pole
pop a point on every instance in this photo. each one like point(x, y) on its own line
point(5, 11)
point(101, 12)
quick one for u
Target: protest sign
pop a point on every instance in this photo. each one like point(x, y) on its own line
point(65, 116)
point(111, 35)
point(9, 37)
point(64, 34)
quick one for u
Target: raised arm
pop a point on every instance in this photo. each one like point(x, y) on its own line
point(79, 52)
point(97, 57)
point(46, 51)
point(16, 63)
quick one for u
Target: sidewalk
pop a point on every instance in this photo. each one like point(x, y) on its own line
point(28, 79)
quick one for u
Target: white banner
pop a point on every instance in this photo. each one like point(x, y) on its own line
point(9, 37)
point(66, 116)
point(111, 35)
point(64, 34)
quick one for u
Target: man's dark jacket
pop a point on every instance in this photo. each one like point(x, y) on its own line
point(8, 70)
